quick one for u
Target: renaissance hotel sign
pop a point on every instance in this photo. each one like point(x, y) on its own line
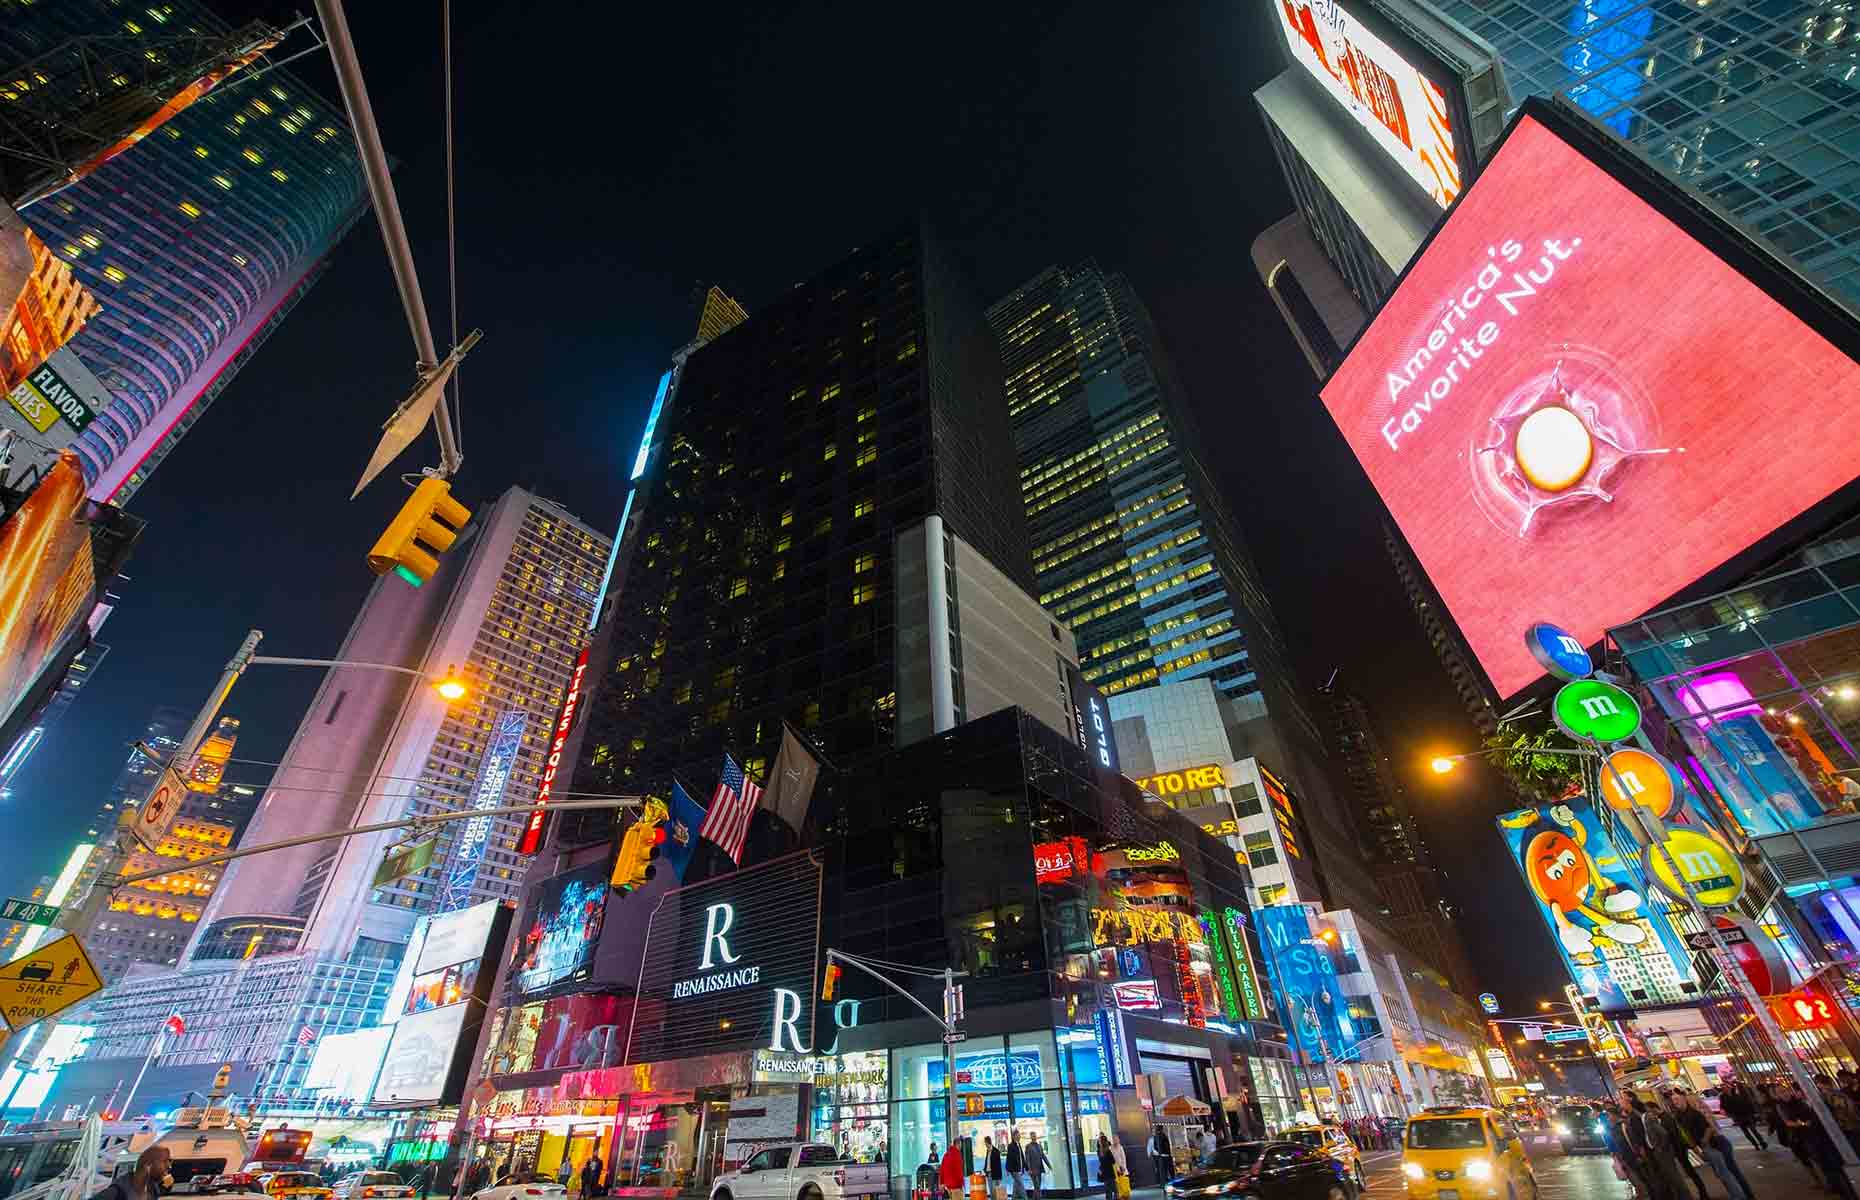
point(731, 964)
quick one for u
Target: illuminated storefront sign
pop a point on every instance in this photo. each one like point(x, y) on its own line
point(493, 778)
point(1140, 995)
point(1139, 925)
point(1161, 852)
point(1245, 977)
point(1110, 1028)
point(1194, 779)
point(571, 700)
point(1223, 967)
point(1282, 812)
point(1522, 400)
point(1056, 862)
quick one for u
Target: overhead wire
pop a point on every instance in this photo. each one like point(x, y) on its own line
point(452, 251)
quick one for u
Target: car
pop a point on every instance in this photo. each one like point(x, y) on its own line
point(1331, 1140)
point(294, 1185)
point(1276, 1170)
point(362, 1185)
point(807, 1170)
point(38, 970)
point(1578, 1127)
point(523, 1187)
point(1455, 1153)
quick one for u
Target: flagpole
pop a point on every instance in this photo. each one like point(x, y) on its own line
point(154, 1049)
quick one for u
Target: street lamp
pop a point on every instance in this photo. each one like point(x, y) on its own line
point(1443, 764)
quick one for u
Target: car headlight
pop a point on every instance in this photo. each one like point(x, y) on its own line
point(1413, 1171)
point(1479, 1168)
point(1562, 1130)
point(1600, 1127)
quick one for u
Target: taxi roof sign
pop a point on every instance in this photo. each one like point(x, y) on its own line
point(45, 981)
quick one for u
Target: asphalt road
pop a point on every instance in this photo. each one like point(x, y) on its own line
point(1575, 1177)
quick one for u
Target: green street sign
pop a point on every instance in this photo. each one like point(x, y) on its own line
point(408, 858)
point(1590, 710)
point(29, 912)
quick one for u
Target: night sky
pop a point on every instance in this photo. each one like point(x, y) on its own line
point(614, 159)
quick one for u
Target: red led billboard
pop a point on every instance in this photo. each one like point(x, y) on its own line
point(1574, 408)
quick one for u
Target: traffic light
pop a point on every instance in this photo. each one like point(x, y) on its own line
point(425, 527)
point(633, 866)
point(831, 983)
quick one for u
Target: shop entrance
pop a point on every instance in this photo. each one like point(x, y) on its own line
point(713, 1128)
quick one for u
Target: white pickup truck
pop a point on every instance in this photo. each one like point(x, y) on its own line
point(801, 1171)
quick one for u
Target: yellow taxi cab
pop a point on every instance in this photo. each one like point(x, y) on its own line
point(1454, 1153)
point(1332, 1141)
point(294, 1185)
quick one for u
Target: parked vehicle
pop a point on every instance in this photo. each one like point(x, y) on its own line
point(801, 1171)
point(523, 1187)
point(1266, 1171)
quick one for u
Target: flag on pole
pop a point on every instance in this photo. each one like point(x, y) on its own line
point(176, 1025)
point(685, 817)
point(791, 783)
point(731, 806)
point(305, 1036)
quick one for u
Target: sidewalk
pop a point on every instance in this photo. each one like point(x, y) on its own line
point(1772, 1173)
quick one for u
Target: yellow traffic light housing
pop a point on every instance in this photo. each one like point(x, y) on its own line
point(830, 986)
point(425, 528)
point(633, 865)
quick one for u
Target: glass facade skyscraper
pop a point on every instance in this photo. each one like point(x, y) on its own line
point(1752, 103)
point(195, 242)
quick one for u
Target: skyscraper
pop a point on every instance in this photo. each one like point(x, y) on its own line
point(195, 242)
point(830, 537)
point(508, 612)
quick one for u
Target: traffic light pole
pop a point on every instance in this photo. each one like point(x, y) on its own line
point(952, 1016)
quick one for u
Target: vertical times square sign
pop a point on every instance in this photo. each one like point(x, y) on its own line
point(493, 779)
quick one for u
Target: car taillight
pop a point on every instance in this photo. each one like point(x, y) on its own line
point(368, 1191)
point(532, 1191)
point(839, 1177)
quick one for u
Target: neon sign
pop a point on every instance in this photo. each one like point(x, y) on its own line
point(1174, 783)
point(1142, 925)
point(531, 840)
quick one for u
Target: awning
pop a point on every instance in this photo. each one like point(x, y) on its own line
point(1183, 1106)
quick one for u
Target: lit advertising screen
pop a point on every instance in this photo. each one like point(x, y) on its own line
point(1403, 110)
point(47, 584)
point(439, 1006)
point(564, 930)
point(1300, 963)
point(419, 1058)
point(1574, 409)
point(1616, 941)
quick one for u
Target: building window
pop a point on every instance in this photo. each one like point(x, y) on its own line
point(1259, 849)
point(865, 593)
point(739, 587)
point(829, 452)
point(862, 508)
point(864, 563)
point(190, 208)
point(787, 518)
point(867, 456)
point(822, 526)
point(781, 569)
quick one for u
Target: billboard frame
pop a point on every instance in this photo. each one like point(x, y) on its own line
point(1742, 251)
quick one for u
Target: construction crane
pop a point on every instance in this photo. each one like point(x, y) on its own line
point(79, 104)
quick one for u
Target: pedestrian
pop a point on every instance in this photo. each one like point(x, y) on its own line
point(1702, 1132)
point(1841, 1104)
point(991, 1168)
point(1107, 1168)
point(1208, 1144)
point(147, 1182)
point(1741, 1106)
point(1160, 1159)
point(949, 1172)
point(1656, 1151)
point(1628, 1166)
point(591, 1177)
point(1017, 1166)
point(1810, 1140)
point(1035, 1158)
point(1668, 1118)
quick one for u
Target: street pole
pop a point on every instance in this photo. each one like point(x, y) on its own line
point(1653, 828)
point(154, 1049)
point(210, 710)
point(949, 1060)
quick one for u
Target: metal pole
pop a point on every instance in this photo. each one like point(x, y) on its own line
point(387, 210)
point(154, 1049)
point(210, 710)
point(949, 1057)
point(1654, 830)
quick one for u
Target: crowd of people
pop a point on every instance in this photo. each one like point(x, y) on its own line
point(1659, 1140)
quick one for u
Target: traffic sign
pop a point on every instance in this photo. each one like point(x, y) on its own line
point(1631, 777)
point(406, 859)
point(1557, 651)
point(1717, 878)
point(1702, 941)
point(47, 980)
point(1590, 710)
point(29, 911)
point(156, 814)
point(1566, 1035)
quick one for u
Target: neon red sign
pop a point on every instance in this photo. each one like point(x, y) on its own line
point(532, 833)
point(1057, 861)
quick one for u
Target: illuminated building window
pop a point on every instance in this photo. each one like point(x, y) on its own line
point(91, 240)
point(781, 569)
point(200, 151)
point(252, 156)
point(280, 176)
point(240, 259)
point(865, 593)
point(190, 208)
point(719, 712)
point(787, 518)
point(831, 391)
point(739, 587)
point(810, 716)
point(829, 452)
point(867, 456)
point(261, 106)
point(224, 183)
point(908, 350)
point(862, 508)
point(725, 678)
point(785, 476)
point(115, 274)
point(866, 414)
point(864, 563)
point(782, 544)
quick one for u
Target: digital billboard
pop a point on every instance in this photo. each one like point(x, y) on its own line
point(564, 930)
point(1616, 940)
point(419, 1058)
point(1569, 404)
point(437, 1005)
point(493, 778)
point(1402, 109)
point(47, 584)
point(1301, 964)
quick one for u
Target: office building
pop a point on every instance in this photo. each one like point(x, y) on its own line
point(195, 242)
point(507, 613)
point(828, 535)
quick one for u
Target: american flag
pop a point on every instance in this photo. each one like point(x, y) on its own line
point(305, 1036)
point(731, 806)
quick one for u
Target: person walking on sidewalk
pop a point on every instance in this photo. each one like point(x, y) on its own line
point(1035, 1159)
point(1811, 1143)
point(1741, 1106)
point(1017, 1166)
point(1107, 1168)
point(1161, 1161)
point(1702, 1132)
point(1656, 1150)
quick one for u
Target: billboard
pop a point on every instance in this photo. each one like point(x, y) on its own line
point(47, 585)
point(1301, 964)
point(564, 930)
point(1616, 941)
point(1401, 108)
point(437, 1006)
point(531, 841)
point(1566, 387)
point(493, 778)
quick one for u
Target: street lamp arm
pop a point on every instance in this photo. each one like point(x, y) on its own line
point(269, 660)
point(464, 814)
point(840, 956)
